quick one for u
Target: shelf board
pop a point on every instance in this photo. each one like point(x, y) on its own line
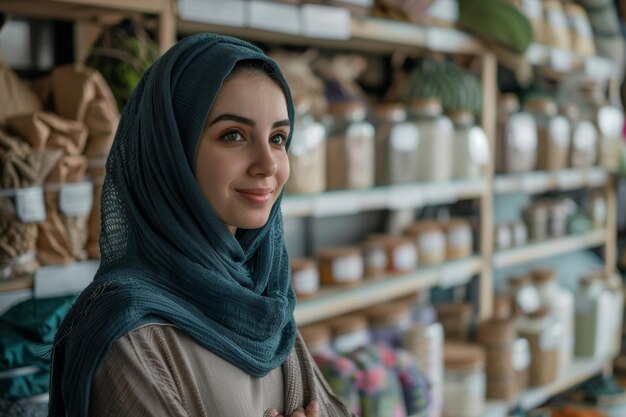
point(16, 284)
point(546, 249)
point(562, 60)
point(78, 9)
point(537, 182)
point(392, 197)
point(331, 302)
point(367, 34)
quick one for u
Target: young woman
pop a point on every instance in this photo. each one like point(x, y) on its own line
point(191, 312)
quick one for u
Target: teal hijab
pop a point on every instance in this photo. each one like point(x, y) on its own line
point(166, 256)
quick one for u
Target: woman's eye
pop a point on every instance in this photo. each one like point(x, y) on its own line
point(279, 139)
point(232, 136)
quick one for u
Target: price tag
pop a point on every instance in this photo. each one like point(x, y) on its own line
point(454, 274)
point(401, 197)
point(561, 60)
point(532, 183)
point(331, 204)
point(569, 179)
point(76, 199)
point(30, 204)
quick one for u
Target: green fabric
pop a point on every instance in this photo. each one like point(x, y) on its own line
point(166, 255)
point(39, 318)
point(21, 387)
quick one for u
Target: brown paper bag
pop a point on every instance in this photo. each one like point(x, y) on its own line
point(47, 130)
point(17, 98)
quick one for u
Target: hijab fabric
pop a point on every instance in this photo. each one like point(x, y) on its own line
point(166, 256)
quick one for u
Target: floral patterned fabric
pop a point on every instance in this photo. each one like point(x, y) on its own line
point(341, 374)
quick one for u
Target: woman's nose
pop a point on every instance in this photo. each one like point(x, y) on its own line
point(263, 160)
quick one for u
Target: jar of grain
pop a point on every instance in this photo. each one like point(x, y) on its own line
point(305, 277)
point(401, 252)
point(389, 321)
point(516, 137)
point(375, 258)
point(543, 338)
point(341, 266)
point(350, 148)
point(431, 241)
point(436, 134)
point(456, 319)
point(464, 380)
point(349, 333)
point(459, 238)
point(553, 134)
point(470, 146)
point(397, 143)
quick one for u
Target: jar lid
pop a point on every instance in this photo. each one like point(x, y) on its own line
point(543, 275)
point(457, 355)
point(347, 324)
point(540, 313)
point(461, 117)
point(389, 240)
point(374, 244)
point(502, 307)
point(426, 105)
point(509, 102)
point(545, 105)
point(457, 222)
point(394, 112)
point(425, 226)
point(315, 335)
point(388, 313)
point(354, 109)
point(454, 309)
point(519, 281)
point(299, 264)
point(496, 331)
point(337, 252)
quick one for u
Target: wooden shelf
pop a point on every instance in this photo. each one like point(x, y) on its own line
point(79, 9)
point(332, 302)
point(392, 197)
point(549, 248)
point(537, 182)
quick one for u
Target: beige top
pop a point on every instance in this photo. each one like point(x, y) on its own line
point(158, 370)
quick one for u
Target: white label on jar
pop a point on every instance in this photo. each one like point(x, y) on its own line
point(444, 126)
point(348, 269)
point(528, 299)
point(76, 199)
point(432, 243)
point(585, 137)
point(360, 130)
point(549, 338)
point(376, 258)
point(610, 122)
point(350, 342)
point(404, 257)
point(561, 60)
point(306, 281)
point(532, 9)
point(582, 27)
point(557, 19)
point(503, 236)
point(30, 204)
point(521, 355)
point(521, 132)
point(599, 210)
point(460, 237)
point(478, 145)
point(559, 131)
point(404, 137)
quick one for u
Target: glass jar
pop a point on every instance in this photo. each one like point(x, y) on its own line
point(389, 321)
point(456, 319)
point(597, 209)
point(516, 146)
point(471, 147)
point(305, 278)
point(584, 139)
point(544, 280)
point(519, 233)
point(525, 295)
point(431, 241)
point(459, 238)
point(464, 380)
point(341, 266)
point(350, 148)
point(401, 252)
point(610, 121)
point(307, 155)
point(436, 136)
point(536, 217)
point(593, 318)
point(581, 33)
point(521, 362)
point(543, 338)
point(558, 213)
point(397, 141)
point(375, 258)
point(556, 27)
point(349, 333)
point(553, 134)
point(503, 236)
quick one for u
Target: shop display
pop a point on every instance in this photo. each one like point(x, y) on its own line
point(516, 137)
point(431, 241)
point(459, 238)
point(470, 146)
point(547, 219)
point(340, 266)
point(553, 134)
point(464, 380)
point(305, 277)
point(401, 252)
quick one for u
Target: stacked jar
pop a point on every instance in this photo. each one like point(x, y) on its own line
point(471, 147)
point(431, 241)
point(584, 138)
point(307, 154)
point(516, 146)
point(553, 133)
point(543, 337)
point(436, 135)
point(401, 252)
point(350, 148)
point(464, 380)
point(340, 266)
point(498, 338)
point(397, 144)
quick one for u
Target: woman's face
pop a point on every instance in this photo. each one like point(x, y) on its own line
point(241, 161)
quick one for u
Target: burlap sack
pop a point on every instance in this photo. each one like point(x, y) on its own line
point(17, 98)
point(47, 130)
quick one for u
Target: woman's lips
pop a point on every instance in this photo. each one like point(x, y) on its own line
point(256, 195)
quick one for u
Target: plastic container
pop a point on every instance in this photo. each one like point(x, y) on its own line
point(388, 322)
point(436, 134)
point(431, 241)
point(553, 134)
point(350, 148)
point(464, 380)
point(305, 277)
point(456, 319)
point(397, 142)
point(459, 238)
point(471, 147)
point(340, 266)
point(516, 138)
point(349, 333)
point(401, 252)
point(543, 338)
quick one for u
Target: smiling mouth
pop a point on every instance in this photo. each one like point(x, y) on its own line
point(258, 196)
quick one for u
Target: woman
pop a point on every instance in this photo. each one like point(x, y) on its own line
point(191, 311)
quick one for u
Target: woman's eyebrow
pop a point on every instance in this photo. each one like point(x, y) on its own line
point(246, 121)
point(280, 123)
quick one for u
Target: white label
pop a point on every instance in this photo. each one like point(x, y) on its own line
point(432, 243)
point(585, 137)
point(522, 132)
point(404, 137)
point(532, 9)
point(610, 122)
point(348, 269)
point(582, 27)
point(559, 131)
point(503, 236)
point(76, 199)
point(521, 355)
point(561, 60)
point(306, 281)
point(404, 257)
point(528, 299)
point(460, 237)
point(30, 204)
point(557, 19)
point(478, 145)
point(376, 259)
point(520, 234)
point(350, 342)
point(549, 338)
